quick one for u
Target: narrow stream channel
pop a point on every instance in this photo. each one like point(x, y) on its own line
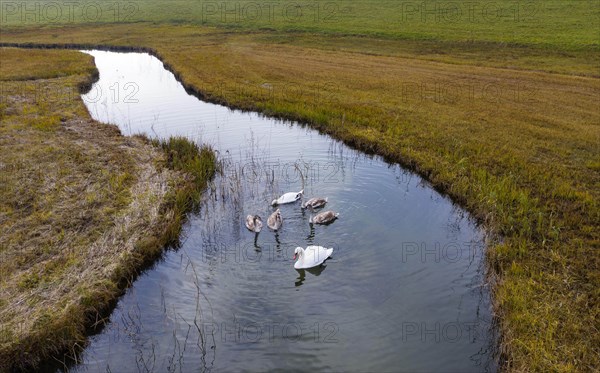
point(404, 290)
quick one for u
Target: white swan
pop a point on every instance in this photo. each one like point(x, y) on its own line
point(288, 198)
point(275, 220)
point(311, 257)
point(254, 223)
point(315, 203)
point(324, 217)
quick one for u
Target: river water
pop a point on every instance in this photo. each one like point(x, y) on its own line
point(404, 290)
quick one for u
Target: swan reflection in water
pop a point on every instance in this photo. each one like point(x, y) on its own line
point(315, 271)
point(256, 245)
point(311, 235)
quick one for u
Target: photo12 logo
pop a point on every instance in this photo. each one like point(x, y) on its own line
point(38, 92)
point(117, 93)
point(438, 252)
point(469, 11)
point(253, 332)
point(452, 92)
point(27, 12)
point(282, 92)
point(289, 172)
point(273, 11)
point(438, 332)
point(250, 253)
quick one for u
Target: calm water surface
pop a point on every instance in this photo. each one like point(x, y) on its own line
point(404, 290)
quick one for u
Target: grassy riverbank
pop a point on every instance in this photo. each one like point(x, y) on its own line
point(82, 208)
point(503, 116)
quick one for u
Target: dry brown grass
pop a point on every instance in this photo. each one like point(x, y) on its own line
point(82, 208)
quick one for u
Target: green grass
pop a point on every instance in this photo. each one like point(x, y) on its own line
point(551, 23)
point(199, 165)
point(82, 208)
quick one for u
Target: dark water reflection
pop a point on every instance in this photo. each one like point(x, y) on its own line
point(404, 290)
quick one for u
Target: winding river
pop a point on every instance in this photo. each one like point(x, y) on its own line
point(404, 291)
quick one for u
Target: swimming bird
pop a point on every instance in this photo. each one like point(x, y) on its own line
point(311, 257)
point(315, 203)
point(254, 223)
point(275, 220)
point(288, 198)
point(324, 217)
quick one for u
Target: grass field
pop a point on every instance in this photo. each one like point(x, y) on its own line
point(552, 23)
point(82, 208)
point(502, 116)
